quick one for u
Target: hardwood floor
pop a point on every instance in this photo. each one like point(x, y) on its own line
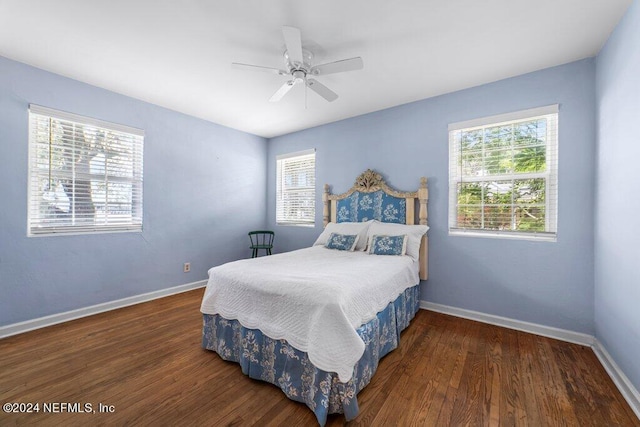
point(145, 362)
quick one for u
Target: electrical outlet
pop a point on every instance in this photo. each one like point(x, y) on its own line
point(187, 267)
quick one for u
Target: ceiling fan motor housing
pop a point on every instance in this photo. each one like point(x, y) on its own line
point(307, 57)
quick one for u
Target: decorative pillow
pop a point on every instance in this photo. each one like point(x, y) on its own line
point(388, 245)
point(359, 228)
point(413, 232)
point(342, 242)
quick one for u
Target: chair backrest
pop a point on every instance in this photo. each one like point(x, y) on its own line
point(261, 237)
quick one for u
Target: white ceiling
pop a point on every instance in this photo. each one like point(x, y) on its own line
point(177, 54)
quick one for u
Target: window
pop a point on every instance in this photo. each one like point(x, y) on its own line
point(85, 175)
point(503, 175)
point(296, 188)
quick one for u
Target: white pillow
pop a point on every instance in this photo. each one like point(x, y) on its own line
point(415, 233)
point(359, 228)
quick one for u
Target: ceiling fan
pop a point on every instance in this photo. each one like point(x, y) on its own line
point(299, 69)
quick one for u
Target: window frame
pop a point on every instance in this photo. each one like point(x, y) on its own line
point(551, 113)
point(36, 226)
point(281, 190)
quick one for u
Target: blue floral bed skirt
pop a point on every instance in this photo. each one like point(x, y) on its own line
point(276, 362)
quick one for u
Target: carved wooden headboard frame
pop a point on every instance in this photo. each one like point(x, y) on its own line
point(369, 182)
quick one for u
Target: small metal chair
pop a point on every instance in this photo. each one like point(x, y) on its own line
point(261, 239)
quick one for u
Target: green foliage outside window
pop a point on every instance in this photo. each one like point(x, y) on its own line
point(498, 191)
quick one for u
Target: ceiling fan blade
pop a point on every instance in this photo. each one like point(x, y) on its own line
point(282, 91)
point(293, 40)
point(322, 90)
point(350, 64)
point(258, 68)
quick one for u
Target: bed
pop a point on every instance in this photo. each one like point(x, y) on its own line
point(315, 322)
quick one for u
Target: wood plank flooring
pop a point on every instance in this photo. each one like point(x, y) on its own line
point(146, 363)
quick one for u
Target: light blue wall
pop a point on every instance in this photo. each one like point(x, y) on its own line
point(617, 236)
point(199, 178)
point(545, 283)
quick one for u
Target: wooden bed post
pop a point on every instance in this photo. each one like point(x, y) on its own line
point(325, 208)
point(423, 196)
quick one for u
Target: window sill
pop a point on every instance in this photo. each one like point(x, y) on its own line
point(287, 224)
point(546, 237)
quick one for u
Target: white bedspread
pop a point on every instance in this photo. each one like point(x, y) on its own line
point(315, 298)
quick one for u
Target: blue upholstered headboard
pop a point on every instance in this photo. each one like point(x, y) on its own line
point(360, 206)
point(371, 198)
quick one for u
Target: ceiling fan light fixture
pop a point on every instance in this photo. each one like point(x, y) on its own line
point(299, 76)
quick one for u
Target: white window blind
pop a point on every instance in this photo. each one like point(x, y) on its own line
point(296, 188)
point(503, 175)
point(85, 175)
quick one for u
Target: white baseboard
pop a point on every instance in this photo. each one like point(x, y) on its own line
point(628, 391)
point(545, 331)
point(42, 322)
